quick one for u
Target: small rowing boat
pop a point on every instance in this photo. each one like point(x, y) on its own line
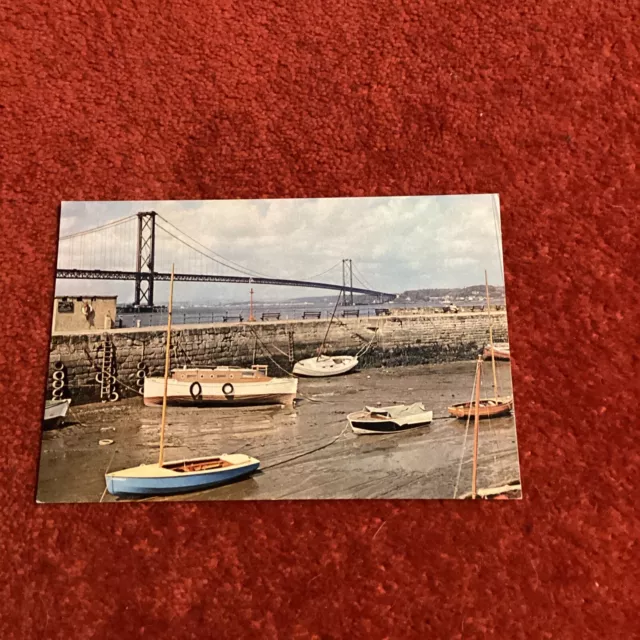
point(490, 408)
point(324, 366)
point(399, 417)
point(55, 411)
point(500, 351)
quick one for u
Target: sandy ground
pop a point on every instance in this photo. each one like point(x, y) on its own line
point(305, 452)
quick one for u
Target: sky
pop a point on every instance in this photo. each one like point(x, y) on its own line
point(395, 243)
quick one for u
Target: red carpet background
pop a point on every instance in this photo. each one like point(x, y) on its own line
point(535, 101)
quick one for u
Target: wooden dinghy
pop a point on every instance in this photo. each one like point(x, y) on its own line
point(221, 386)
point(500, 351)
point(489, 408)
point(181, 476)
point(324, 366)
point(399, 417)
point(55, 411)
point(166, 478)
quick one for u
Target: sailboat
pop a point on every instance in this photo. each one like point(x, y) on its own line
point(492, 407)
point(498, 493)
point(181, 476)
point(323, 366)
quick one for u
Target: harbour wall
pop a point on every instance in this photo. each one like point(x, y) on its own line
point(391, 341)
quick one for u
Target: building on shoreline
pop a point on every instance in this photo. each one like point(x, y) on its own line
point(75, 313)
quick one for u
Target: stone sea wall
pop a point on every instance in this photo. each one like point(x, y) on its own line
point(394, 341)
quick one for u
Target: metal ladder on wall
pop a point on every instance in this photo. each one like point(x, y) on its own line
point(291, 355)
point(106, 379)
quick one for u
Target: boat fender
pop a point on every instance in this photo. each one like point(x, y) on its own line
point(195, 390)
point(114, 397)
point(58, 375)
point(58, 384)
point(227, 389)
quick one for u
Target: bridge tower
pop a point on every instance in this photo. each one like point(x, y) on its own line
point(145, 258)
point(347, 281)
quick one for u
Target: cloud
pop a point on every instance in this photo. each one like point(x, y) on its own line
point(395, 243)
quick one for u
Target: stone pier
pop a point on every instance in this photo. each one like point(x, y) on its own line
point(393, 341)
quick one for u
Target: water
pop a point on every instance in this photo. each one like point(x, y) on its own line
point(287, 310)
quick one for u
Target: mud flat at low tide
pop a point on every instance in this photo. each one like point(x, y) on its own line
point(306, 452)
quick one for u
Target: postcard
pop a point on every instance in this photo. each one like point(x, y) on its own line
point(332, 348)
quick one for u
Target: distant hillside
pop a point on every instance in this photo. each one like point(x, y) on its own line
point(476, 293)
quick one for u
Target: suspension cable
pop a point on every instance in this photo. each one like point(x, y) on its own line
point(201, 253)
point(113, 223)
point(239, 266)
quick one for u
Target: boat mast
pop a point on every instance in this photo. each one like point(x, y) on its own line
point(476, 428)
point(167, 366)
point(329, 326)
point(493, 358)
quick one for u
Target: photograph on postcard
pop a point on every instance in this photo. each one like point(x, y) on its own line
point(325, 348)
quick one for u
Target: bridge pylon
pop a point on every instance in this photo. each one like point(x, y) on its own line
point(347, 282)
point(145, 259)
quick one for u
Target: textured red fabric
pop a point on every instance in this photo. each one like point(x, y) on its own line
point(201, 99)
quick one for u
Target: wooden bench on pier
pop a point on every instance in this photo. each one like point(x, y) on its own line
point(315, 315)
point(232, 319)
point(351, 313)
point(270, 316)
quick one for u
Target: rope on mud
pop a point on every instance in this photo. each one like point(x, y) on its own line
point(105, 473)
point(466, 433)
point(306, 453)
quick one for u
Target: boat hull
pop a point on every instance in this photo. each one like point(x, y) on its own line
point(55, 411)
point(275, 391)
point(500, 352)
point(502, 407)
point(325, 367)
point(151, 480)
point(362, 423)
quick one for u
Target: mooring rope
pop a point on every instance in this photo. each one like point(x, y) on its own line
point(466, 433)
point(306, 453)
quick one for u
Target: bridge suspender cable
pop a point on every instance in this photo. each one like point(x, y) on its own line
point(211, 251)
point(113, 223)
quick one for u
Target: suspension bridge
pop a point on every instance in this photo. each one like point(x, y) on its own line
point(142, 247)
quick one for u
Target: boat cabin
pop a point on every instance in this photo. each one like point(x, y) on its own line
point(257, 373)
